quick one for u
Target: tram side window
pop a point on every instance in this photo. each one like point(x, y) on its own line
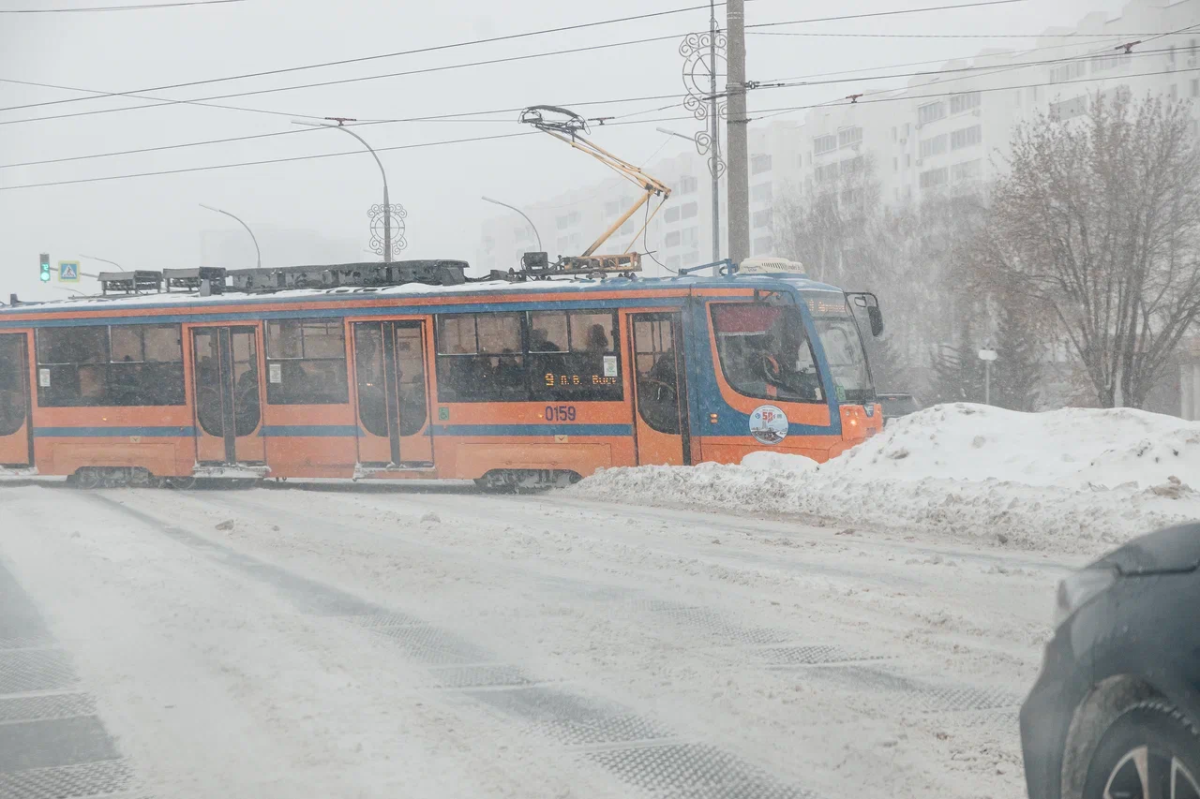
point(306, 362)
point(125, 365)
point(480, 358)
point(582, 364)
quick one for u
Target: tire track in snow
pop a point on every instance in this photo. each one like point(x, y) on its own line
point(636, 750)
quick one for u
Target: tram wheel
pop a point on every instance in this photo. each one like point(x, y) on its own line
point(180, 483)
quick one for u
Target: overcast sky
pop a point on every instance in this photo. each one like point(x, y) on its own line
point(155, 222)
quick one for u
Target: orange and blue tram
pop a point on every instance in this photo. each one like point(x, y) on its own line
point(508, 382)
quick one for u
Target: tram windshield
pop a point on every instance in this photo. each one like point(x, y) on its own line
point(765, 352)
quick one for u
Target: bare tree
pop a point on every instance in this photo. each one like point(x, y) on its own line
point(839, 228)
point(1098, 220)
point(828, 224)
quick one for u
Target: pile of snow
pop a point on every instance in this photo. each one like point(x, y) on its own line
point(1076, 480)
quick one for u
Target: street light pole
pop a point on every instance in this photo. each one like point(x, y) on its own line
point(532, 226)
point(104, 261)
point(387, 205)
point(257, 251)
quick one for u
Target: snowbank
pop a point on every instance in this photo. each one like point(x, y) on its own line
point(1075, 480)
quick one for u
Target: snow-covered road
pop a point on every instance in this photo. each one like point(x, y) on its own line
point(437, 642)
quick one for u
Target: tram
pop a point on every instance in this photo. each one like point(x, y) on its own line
point(411, 370)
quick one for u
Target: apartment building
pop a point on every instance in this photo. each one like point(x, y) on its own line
point(948, 132)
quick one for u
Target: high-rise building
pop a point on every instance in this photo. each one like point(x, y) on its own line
point(944, 132)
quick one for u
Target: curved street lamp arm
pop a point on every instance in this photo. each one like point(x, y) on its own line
point(253, 238)
point(532, 226)
point(374, 155)
point(387, 202)
point(104, 261)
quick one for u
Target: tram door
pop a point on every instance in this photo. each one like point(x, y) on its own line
point(393, 394)
point(16, 437)
point(660, 389)
point(225, 374)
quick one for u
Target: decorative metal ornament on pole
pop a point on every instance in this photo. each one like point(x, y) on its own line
point(387, 229)
point(702, 55)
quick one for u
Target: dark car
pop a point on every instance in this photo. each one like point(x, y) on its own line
point(1115, 712)
point(897, 405)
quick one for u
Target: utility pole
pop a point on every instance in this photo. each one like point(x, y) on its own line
point(737, 177)
point(715, 132)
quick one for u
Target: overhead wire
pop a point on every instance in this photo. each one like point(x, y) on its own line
point(100, 94)
point(338, 82)
point(440, 118)
point(766, 113)
point(1117, 34)
point(378, 56)
point(161, 102)
point(307, 157)
point(930, 61)
point(871, 14)
point(758, 115)
point(1008, 68)
point(460, 117)
point(996, 68)
point(142, 7)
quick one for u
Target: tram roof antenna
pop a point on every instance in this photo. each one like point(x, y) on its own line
point(569, 127)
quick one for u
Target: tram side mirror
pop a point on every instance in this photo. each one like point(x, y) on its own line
point(876, 317)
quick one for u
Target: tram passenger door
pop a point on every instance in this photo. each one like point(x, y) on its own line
point(660, 389)
point(228, 397)
point(393, 394)
point(16, 438)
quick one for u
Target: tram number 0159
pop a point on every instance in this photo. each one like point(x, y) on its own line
point(560, 413)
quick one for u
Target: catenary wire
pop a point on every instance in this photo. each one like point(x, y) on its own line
point(758, 115)
point(442, 118)
point(160, 102)
point(766, 113)
point(144, 7)
point(378, 56)
point(457, 117)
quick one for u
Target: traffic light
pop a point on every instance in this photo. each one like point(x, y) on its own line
point(45, 267)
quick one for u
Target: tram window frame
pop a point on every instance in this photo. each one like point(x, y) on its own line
point(143, 382)
point(468, 375)
point(461, 375)
point(563, 376)
point(330, 368)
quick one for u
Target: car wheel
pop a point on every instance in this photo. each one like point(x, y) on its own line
point(1151, 751)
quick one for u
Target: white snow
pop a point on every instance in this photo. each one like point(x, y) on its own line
point(219, 677)
point(1074, 480)
point(216, 685)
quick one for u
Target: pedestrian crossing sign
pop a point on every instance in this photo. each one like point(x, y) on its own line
point(68, 271)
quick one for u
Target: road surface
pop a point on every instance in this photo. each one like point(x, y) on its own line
point(437, 642)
